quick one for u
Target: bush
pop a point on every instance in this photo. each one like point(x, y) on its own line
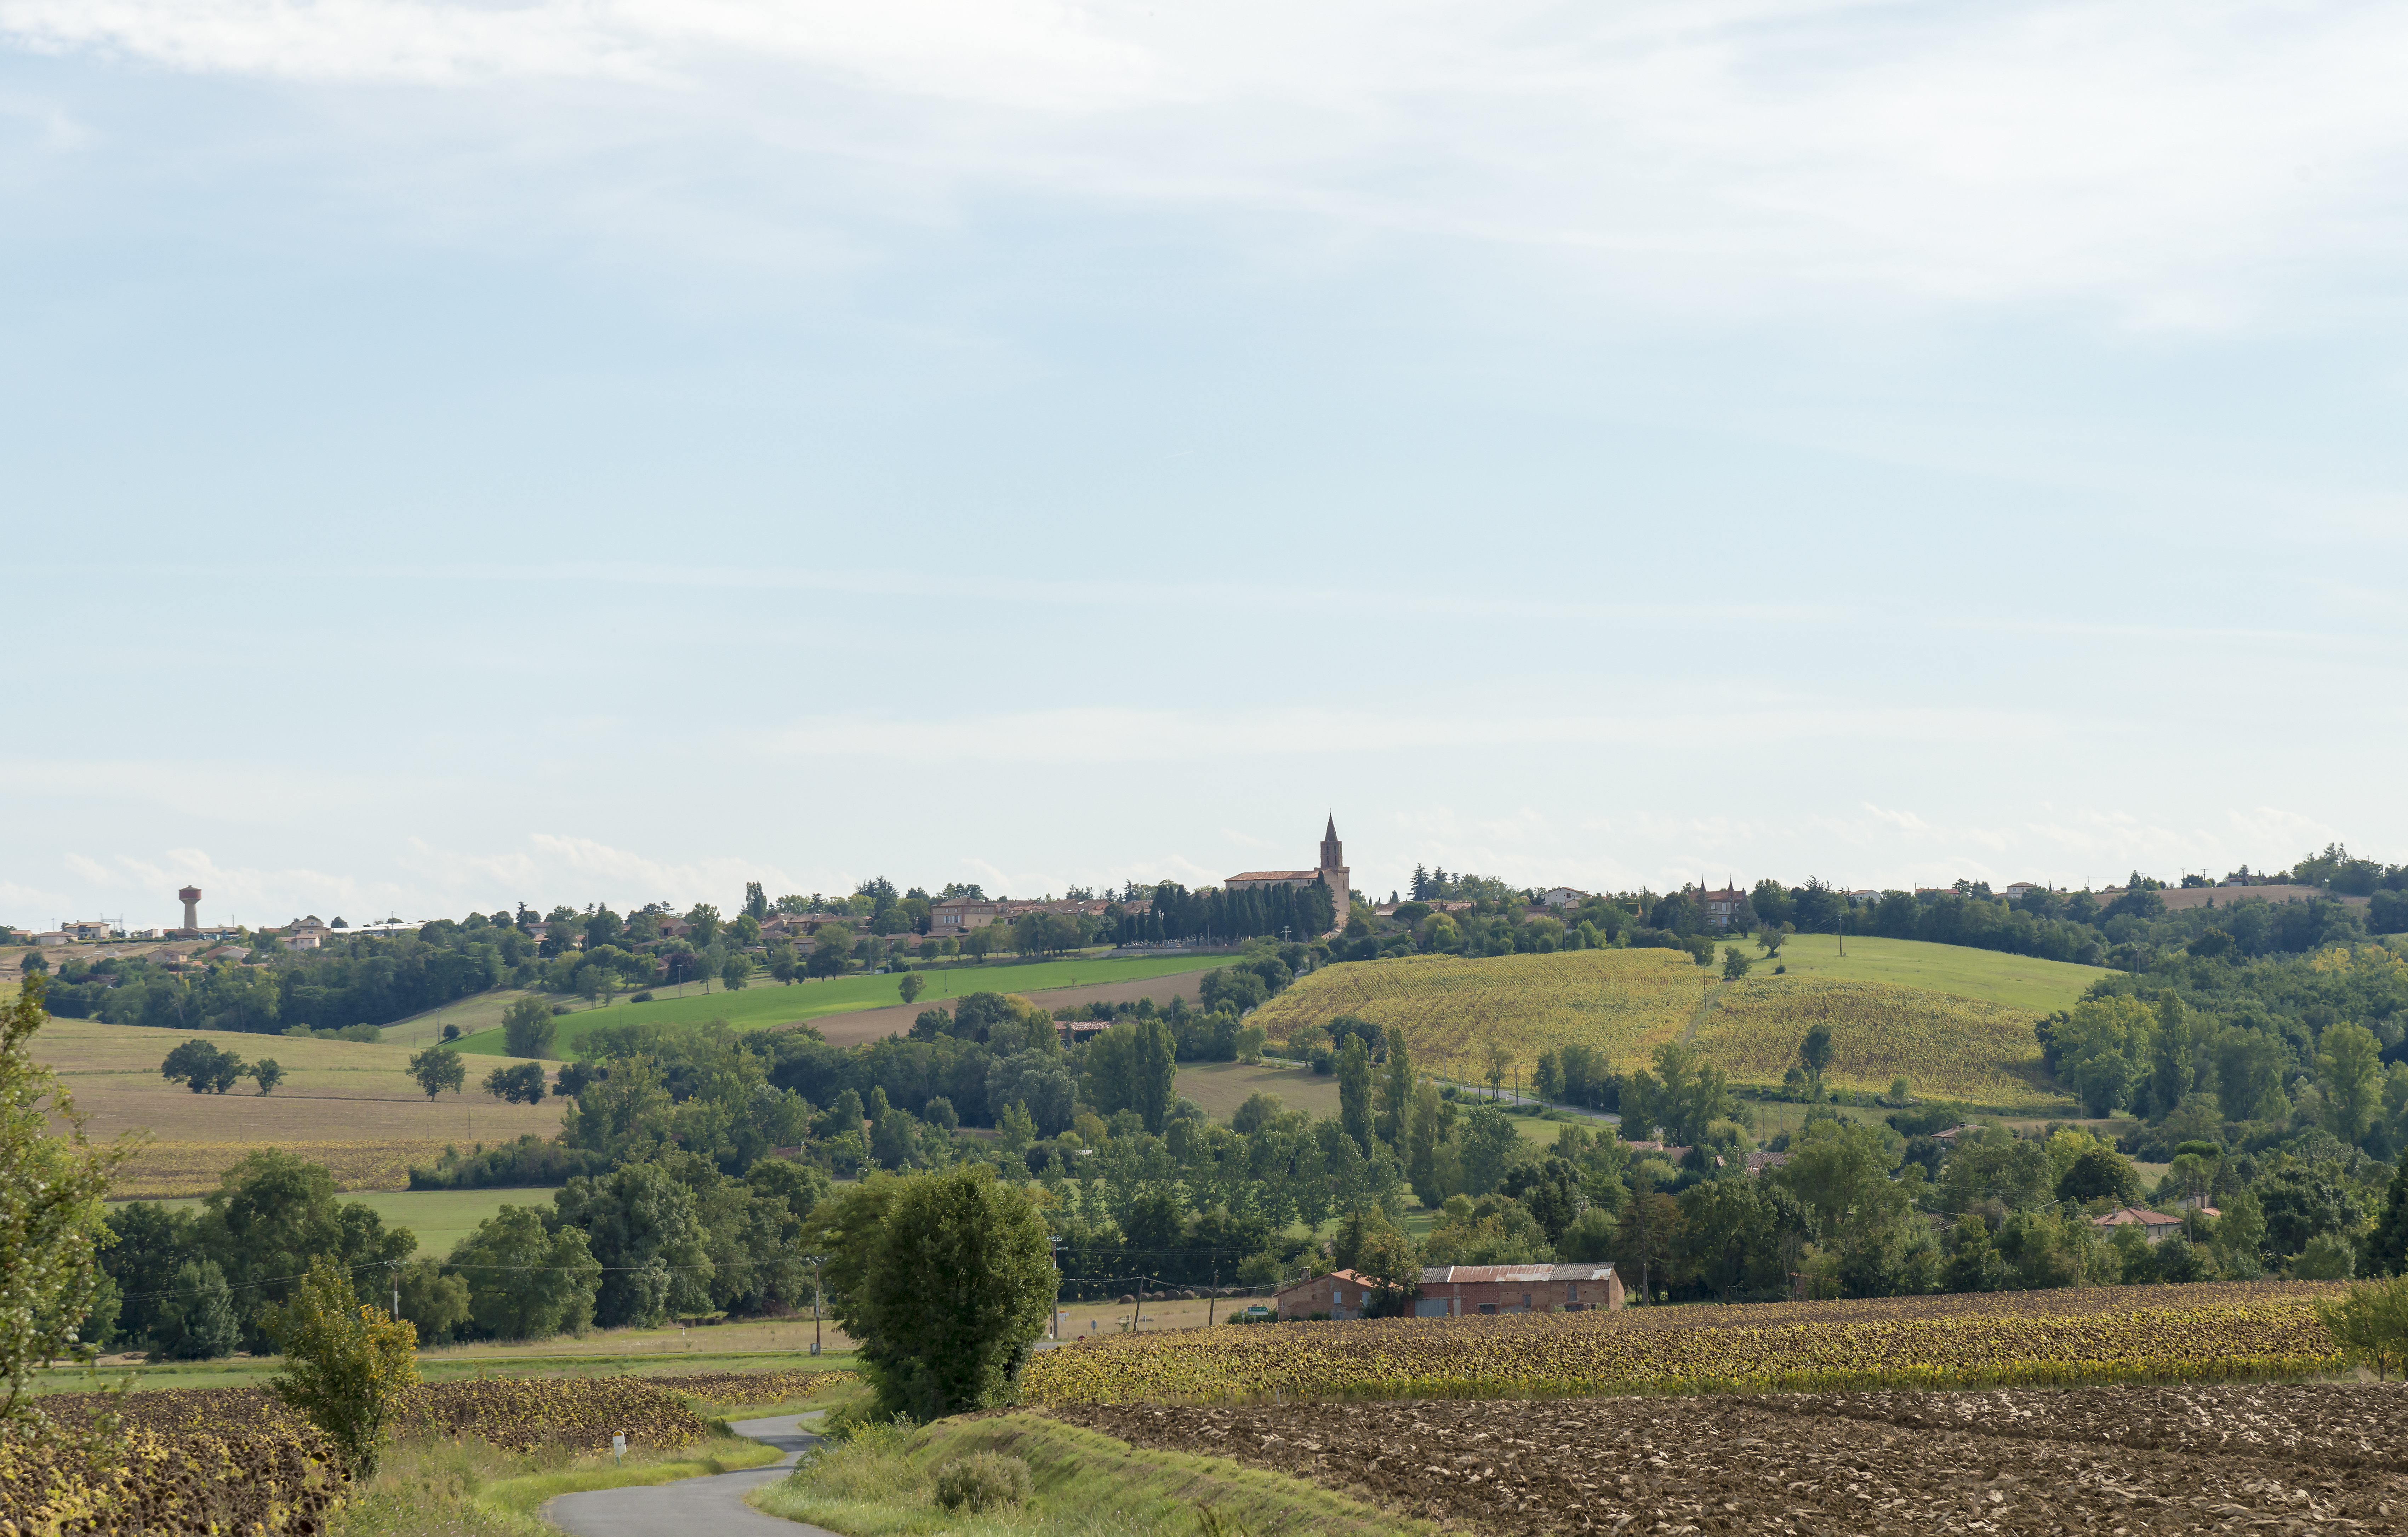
point(346, 1365)
point(984, 1480)
point(641, 997)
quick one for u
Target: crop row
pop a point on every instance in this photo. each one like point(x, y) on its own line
point(179, 1467)
point(1952, 1047)
point(1621, 1003)
point(2098, 1336)
point(235, 1459)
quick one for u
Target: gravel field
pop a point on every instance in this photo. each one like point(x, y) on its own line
point(2111, 1460)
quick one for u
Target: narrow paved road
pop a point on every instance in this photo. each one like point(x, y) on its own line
point(694, 1507)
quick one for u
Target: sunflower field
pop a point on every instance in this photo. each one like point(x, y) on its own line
point(236, 1460)
point(2055, 1338)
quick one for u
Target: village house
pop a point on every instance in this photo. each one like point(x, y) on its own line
point(1722, 906)
point(2156, 1224)
point(1451, 1291)
point(1340, 1294)
point(1562, 897)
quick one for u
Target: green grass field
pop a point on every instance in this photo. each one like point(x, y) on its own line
point(439, 1218)
point(1221, 1087)
point(767, 1003)
point(1988, 976)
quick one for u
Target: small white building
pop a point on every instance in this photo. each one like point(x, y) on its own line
point(1563, 897)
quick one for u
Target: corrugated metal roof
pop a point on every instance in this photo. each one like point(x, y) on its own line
point(1478, 1274)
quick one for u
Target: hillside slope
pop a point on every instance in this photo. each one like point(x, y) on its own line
point(350, 1106)
point(1963, 1030)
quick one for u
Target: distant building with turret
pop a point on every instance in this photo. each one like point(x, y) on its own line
point(1332, 870)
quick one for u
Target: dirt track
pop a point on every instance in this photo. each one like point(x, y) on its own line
point(2324, 1459)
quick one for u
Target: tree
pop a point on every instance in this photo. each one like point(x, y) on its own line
point(436, 1068)
point(1734, 964)
point(757, 901)
point(522, 1085)
point(832, 952)
point(2371, 1324)
point(913, 986)
point(2098, 1174)
point(1814, 1055)
point(526, 1283)
point(346, 1364)
point(641, 1226)
point(2387, 1247)
point(1355, 1092)
point(207, 1067)
point(267, 1074)
point(196, 1321)
point(51, 1220)
point(955, 1286)
point(1396, 1095)
point(2349, 1070)
point(1770, 940)
point(1134, 1066)
point(734, 972)
point(529, 1026)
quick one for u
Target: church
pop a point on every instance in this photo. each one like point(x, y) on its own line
point(1332, 870)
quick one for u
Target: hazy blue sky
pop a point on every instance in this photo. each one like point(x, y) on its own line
point(463, 453)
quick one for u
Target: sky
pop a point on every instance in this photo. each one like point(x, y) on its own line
point(455, 454)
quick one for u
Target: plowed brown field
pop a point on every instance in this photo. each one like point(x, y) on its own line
point(2130, 1460)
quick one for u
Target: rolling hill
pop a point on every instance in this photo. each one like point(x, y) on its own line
point(1955, 1023)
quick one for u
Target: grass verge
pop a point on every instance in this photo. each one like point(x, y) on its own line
point(445, 1488)
point(881, 1481)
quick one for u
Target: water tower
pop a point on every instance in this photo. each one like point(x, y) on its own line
point(191, 898)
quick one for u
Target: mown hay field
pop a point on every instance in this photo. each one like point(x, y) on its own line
point(349, 1105)
point(1943, 1046)
point(1623, 1002)
point(2047, 1338)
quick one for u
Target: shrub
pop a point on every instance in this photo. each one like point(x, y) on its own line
point(984, 1480)
point(346, 1364)
point(641, 997)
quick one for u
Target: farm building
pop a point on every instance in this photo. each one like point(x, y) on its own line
point(2157, 1225)
point(1340, 1294)
point(1449, 1291)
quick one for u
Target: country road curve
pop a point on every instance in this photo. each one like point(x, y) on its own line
point(710, 1506)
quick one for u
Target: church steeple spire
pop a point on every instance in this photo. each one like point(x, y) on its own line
point(1333, 854)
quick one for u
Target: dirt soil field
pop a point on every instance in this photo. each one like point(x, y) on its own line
point(2120, 1460)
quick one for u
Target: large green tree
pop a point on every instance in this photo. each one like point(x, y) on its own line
point(529, 1026)
point(1354, 1091)
point(2349, 1070)
point(954, 1289)
point(51, 1220)
point(525, 1282)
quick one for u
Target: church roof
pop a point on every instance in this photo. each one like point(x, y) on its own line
point(1276, 875)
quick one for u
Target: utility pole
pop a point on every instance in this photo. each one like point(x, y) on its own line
point(815, 1301)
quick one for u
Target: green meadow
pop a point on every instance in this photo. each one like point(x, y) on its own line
point(768, 1003)
point(1991, 976)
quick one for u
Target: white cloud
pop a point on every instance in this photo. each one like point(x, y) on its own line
point(1120, 734)
point(2179, 161)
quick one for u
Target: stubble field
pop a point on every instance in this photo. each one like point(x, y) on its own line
point(349, 1105)
point(2123, 1461)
